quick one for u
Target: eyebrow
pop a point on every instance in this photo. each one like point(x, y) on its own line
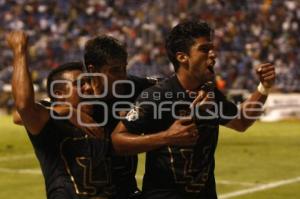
point(208, 44)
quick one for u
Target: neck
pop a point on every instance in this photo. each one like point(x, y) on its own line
point(187, 81)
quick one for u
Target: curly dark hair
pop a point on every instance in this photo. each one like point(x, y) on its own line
point(102, 49)
point(182, 37)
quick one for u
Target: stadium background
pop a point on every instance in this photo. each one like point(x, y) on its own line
point(263, 163)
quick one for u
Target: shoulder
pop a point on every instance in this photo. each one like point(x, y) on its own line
point(56, 124)
point(141, 84)
point(219, 95)
point(156, 92)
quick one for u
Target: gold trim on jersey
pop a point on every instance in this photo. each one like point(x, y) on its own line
point(85, 176)
point(188, 155)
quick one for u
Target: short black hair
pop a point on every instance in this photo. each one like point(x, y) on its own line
point(182, 37)
point(102, 49)
point(57, 74)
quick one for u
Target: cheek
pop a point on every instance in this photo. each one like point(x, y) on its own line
point(198, 59)
point(97, 85)
point(111, 80)
point(75, 96)
point(201, 63)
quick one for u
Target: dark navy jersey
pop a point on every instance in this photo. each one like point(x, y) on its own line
point(123, 167)
point(74, 165)
point(172, 171)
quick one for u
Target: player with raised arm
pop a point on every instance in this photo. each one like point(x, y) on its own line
point(177, 172)
point(72, 156)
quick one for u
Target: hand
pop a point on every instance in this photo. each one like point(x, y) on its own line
point(203, 100)
point(97, 85)
point(17, 41)
point(266, 74)
point(182, 132)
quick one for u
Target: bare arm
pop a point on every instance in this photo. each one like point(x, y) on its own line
point(126, 143)
point(34, 116)
point(252, 108)
point(17, 118)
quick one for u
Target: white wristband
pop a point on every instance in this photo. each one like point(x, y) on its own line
point(263, 90)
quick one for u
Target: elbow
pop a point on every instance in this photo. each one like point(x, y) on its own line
point(239, 125)
point(17, 119)
point(242, 128)
point(21, 106)
point(119, 147)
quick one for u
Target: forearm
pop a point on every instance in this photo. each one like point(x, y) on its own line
point(22, 87)
point(128, 144)
point(250, 110)
point(33, 115)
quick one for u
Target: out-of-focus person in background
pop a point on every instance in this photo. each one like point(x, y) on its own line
point(246, 32)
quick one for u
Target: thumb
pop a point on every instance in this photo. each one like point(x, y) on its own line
point(185, 120)
point(198, 99)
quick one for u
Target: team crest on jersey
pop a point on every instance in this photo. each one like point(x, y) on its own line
point(134, 114)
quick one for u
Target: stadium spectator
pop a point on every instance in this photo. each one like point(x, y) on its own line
point(246, 32)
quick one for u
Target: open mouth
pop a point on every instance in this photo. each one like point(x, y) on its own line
point(210, 66)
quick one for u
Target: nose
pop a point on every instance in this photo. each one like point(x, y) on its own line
point(212, 54)
point(86, 88)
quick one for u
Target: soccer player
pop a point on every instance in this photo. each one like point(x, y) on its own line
point(105, 55)
point(72, 156)
point(177, 172)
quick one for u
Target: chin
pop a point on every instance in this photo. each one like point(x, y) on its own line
point(210, 77)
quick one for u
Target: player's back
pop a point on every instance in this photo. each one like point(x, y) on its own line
point(74, 164)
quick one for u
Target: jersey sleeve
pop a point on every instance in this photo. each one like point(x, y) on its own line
point(51, 133)
point(45, 136)
point(141, 118)
point(227, 109)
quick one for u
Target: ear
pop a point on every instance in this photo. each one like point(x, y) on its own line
point(182, 58)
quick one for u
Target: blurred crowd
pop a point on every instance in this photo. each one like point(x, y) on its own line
point(247, 33)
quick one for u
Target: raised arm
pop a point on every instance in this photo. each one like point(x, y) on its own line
point(34, 116)
point(252, 108)
point(179, 133)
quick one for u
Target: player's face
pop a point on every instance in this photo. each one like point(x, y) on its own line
point(85, 86)
point(202, 60)
point(114, 70)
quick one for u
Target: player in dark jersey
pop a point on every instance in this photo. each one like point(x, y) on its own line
point(72, 156)
point(176, 172)
point(105, 55)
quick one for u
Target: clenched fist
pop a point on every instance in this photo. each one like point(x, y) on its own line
point(17, 41)
point(266, 74)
